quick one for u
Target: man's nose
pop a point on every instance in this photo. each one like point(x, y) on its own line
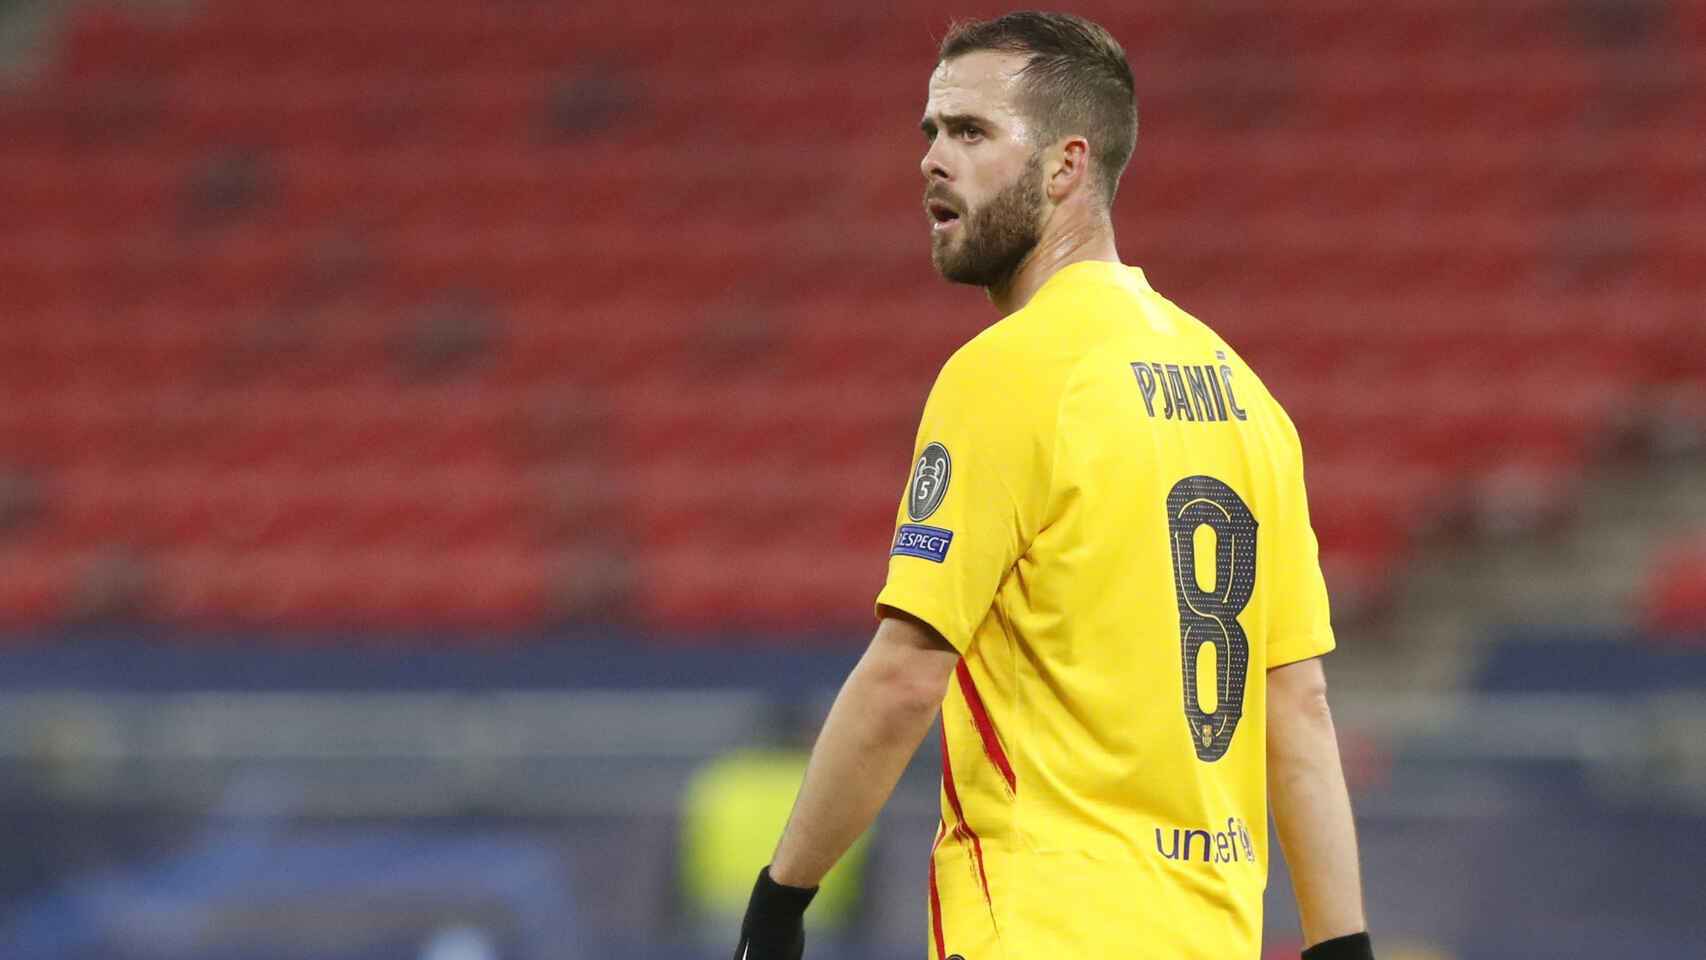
point(931, 166)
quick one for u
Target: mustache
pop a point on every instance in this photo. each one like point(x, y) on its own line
point(941, 194)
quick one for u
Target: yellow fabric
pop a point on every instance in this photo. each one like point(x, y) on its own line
point(1070, 429)
point(733, 810)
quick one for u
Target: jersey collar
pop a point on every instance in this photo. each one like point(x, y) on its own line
point(1109, 271)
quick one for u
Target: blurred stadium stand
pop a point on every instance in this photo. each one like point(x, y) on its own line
point(606, 298)
point(1675, 599)
point(354, 353)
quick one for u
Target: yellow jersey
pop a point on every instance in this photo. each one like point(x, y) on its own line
point(1106, 517)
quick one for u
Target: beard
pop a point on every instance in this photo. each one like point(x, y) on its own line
point(997, 236)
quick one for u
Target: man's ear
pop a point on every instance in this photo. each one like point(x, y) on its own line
point(1069, 170)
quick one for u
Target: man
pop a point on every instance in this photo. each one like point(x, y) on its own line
point(1104, 577)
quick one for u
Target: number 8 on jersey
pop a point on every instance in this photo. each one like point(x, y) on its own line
point(1210, 615)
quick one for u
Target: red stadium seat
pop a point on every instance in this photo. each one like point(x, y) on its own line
point(36, 586)
point(1673, 601)
point(1459, 245)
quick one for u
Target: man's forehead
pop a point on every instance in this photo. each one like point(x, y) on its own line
point(981, 83)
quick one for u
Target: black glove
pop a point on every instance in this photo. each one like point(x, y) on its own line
point(1354, 947)
point(774, 928)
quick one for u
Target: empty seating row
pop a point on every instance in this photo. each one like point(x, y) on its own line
point(483, 314)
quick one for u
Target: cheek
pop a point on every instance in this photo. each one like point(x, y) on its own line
point(976, 195)
point(987, 181)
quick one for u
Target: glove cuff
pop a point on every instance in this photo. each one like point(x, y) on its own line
point(1356, 946)
point(773, 902)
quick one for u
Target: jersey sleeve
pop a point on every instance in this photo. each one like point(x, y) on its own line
point(1302, 624)
point(979, 474)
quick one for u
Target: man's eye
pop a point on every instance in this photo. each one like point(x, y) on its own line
point(970, 133)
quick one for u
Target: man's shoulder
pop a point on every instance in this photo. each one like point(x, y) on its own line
point(1013, 357)
point(1045, 332)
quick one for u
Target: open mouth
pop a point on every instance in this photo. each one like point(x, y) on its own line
point(942, 216)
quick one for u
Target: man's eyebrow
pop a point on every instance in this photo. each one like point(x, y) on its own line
point(928, 125)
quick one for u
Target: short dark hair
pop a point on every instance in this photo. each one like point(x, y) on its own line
point(1076, 81)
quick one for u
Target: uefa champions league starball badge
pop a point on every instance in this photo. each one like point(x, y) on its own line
point(929, 482)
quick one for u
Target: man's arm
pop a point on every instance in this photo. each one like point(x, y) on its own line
point(883, 712)
point(1311, 806)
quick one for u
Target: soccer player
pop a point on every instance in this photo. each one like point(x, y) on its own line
point(1103, 577)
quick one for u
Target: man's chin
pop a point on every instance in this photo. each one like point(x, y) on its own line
point(955, 271)
point(951, 268)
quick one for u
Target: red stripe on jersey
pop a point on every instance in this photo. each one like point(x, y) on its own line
point(962, 829)
point(936, 898)
point(985, 727)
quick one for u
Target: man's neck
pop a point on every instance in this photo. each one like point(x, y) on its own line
point(1087, 240)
